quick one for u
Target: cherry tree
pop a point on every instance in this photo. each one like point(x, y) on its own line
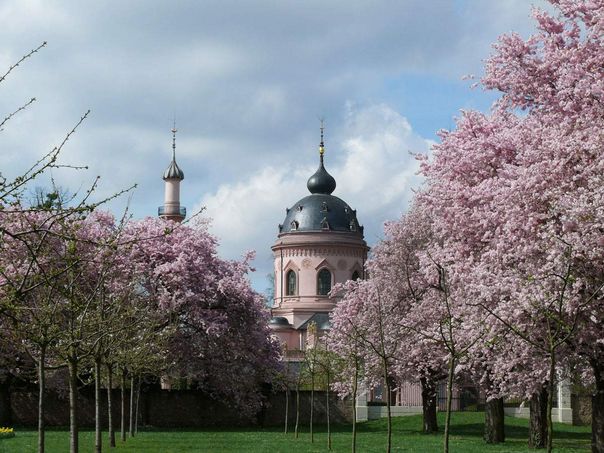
point(344, 340)
point(396, 263)
point(365, 315)
point(519, 195)
point(221, 324)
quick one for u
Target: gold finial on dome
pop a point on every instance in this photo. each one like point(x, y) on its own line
point(322, 144)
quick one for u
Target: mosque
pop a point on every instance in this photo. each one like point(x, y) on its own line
point(319, 244)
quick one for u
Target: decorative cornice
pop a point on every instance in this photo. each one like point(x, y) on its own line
point(289, 252)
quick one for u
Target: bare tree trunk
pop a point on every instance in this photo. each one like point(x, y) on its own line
point(41, 388)
point(98, 438)
point(110, 405)
point(597, 410)
point(286, 407)
point(449, 401)
point(550, 400)
point(430, 421)
point(312, 403)
point(123, 409)
point(538, 415)
point(297, 407)
point(132, 405)
point(138, 397)
point(388, 408)
point(73, 405)
point(327, 412)
point(494, 425)
point(355, 384)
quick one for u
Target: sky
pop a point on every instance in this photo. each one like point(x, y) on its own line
point(247, 82)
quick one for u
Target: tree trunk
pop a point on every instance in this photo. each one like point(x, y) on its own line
point(538, 415)
point(388, 409)
point(132, 406)
point(286, 408)
point(597, 411)
point(123, 408)
point(327, 413)
point(429, 405)
point(98, 438)
point(550, 401)
point(449, 401)
point(355, 383)
point(494, 427)
point(41, 388)
point(110, 405)
point(138, 397)
point(312, 404)
point(297, 407)
point(73, 406)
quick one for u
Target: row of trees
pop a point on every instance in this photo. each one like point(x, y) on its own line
point(496, 273)
point(106, 298)
point(98, 299)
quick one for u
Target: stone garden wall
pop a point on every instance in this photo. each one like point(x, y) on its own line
point(176, 408)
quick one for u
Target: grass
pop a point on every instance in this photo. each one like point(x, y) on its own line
point(466, 437)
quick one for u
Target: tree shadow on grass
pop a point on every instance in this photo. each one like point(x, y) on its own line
point(512, 432)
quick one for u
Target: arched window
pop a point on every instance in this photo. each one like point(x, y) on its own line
point(323, 282)
point(355, 275)
point(291, 283)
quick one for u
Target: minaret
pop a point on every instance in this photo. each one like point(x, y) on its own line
point(171, 209)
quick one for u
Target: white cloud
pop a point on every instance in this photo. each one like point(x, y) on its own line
point(370, 159)
point(246, 81)
point(379, 167)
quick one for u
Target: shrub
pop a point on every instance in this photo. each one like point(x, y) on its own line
point(5, 433)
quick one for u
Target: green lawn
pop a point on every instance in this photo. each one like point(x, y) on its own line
point(466, 437)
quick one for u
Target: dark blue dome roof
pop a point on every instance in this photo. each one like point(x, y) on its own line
point(321, 212)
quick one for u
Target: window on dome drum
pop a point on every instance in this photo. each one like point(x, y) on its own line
point(294, 225)
point(323, 282)
point(355, 276)
point(324, 207)
point(291, 283)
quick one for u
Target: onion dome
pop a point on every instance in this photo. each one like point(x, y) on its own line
point(321, 211)
point(321, 181)
point(173, 171)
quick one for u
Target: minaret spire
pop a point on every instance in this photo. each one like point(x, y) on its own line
point(174, 131)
